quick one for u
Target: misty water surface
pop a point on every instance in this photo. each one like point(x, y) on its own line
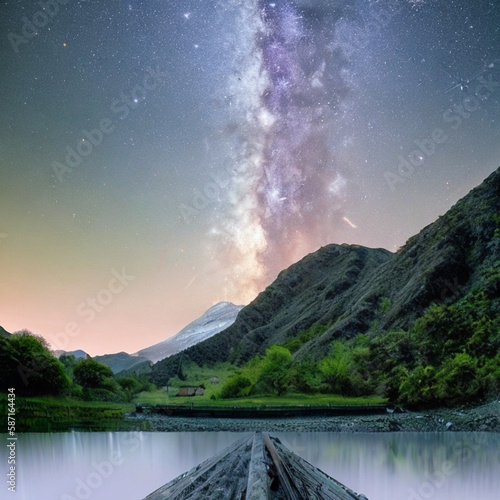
point(100, 466)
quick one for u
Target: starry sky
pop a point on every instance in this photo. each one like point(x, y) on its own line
point(158, 156)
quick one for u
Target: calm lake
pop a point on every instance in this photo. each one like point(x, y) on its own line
point(130, 465)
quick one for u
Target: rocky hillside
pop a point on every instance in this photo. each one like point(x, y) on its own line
point(351, 290)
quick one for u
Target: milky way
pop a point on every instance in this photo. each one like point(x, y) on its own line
point(272, 133)
point(288, 189)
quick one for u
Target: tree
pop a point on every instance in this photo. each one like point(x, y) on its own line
point(27, 364)
point(303, 377)
point(458, 381)
point(274, 369)
point(68, 361)
point(130, 386)
point(336, 369)
point(418, 388)
point(93, 375)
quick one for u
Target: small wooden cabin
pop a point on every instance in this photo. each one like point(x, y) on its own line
point(191, 390)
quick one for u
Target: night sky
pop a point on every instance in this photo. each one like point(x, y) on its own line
point(157, 157)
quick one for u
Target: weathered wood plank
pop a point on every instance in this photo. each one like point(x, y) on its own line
point(285, 476)
point(218, 477)
point(310, 482)
point(243, 471)
point(258, 480)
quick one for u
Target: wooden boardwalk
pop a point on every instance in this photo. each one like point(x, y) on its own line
point(255, 468)
point(264, 411)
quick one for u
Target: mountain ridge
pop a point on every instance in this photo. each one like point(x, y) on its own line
point(348, 284)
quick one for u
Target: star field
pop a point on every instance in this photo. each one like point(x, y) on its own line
point(204, 146)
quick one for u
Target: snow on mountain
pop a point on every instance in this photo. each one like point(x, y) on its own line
point(217, 318)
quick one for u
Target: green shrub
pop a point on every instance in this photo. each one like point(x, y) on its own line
point(385, 305)
point(236, 386)
point(304, 377)
point(91, 374)
point(336, 369)
point(418, 388)
point(90, 394)
point(274, 371)
point(457, 382)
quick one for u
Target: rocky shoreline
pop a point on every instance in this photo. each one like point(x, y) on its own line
point(485, 418)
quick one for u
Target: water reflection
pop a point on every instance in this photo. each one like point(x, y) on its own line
point(100, 466)
point(104, 466)
point(410, 466)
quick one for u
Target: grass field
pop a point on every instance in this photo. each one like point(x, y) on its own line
point(162, 398)
point(196, 376)
point(49, 414)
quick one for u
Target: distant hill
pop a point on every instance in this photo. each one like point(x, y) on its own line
point(123, 361)
point(352, 290)
point(78, 354)
point(118, 362)
point(213, 321)
point(4, 333)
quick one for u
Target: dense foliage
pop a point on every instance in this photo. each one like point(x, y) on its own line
point(27, 365)
point(454, 353)
point(451, 356)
